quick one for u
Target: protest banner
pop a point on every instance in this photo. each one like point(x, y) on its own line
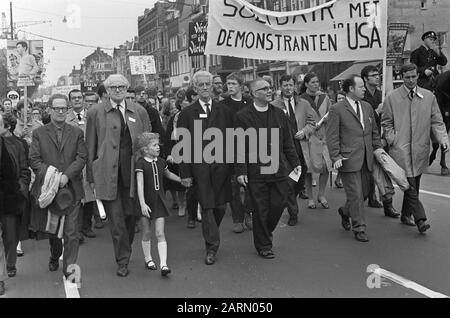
point(142, 65)
point(64, 90)
point(25, 62)
point(344, 30)
point(396, 42)
point(197, 38)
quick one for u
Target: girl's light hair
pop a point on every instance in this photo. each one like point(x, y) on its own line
point(144, 140)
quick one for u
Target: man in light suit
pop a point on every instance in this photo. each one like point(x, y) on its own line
point(411, 118)
point(352, 137)
point(111, 135)
point(212, 181)
point(77, 118)
point(62, 146)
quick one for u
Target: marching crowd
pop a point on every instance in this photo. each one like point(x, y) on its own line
point(116, 146)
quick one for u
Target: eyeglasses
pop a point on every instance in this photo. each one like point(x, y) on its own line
point(121, 88)
point(77, 97)
point(265, 89)
point(374, 75)
point(60, 110)
point(203, 84)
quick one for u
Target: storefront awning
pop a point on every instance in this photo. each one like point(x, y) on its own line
point(356, 68)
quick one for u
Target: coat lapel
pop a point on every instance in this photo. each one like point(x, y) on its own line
point(52, 134)
point(350, 109)
point(65, 135)
point(214, 112)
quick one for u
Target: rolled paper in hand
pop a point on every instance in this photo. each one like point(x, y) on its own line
point(101, 208)
point(320, 123)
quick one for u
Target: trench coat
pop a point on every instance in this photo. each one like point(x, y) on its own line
point(408, 127)
point(103, 142)
point(72, 119)
point(314, 144)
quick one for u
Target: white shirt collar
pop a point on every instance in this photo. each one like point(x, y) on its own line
point(114, 104)
point(408, 90)
point(81, 113)
point(150, 160)
point(202, 103)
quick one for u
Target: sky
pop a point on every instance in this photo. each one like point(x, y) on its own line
point(104, 23)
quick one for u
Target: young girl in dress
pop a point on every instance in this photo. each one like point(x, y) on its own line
point(150, 170)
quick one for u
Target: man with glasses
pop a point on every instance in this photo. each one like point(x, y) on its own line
point(77, 117)
point(62, 146)
point(373, 95)
point(111, 135)
point(268, 191)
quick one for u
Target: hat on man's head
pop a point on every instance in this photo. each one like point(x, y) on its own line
point(63, 202)
point(429, 34)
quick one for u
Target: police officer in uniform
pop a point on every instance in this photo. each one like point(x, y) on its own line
point(427, 57)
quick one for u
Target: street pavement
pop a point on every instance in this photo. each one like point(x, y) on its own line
point(316, 258)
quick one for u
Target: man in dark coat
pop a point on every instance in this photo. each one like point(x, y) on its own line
point(15, 183)
point(236, 102)
point(427, 57)
point(211, 180)
point(61, 146)
point(266, 181)
point(442, 93)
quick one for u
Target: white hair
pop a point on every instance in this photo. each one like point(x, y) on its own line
point(201, 74)
point(112, 77)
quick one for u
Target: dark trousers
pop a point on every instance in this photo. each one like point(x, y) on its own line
point(356, 186)
point(11, 228)
point(71, 242)
point(211, 219)
point(293, 190)
point(122, 222)
point(302, 180)
point(85, 216)
point(192, 203)
point(269, 201)
point(239, 209)
point(3, 272)
point(411, 203)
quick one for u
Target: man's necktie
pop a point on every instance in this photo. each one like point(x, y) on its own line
point(79, 117)
point(122, 121)
point(411, 94)
point(291, 110)
point(358, 112)
point(208, 110)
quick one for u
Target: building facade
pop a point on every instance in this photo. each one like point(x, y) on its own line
point(95, 68)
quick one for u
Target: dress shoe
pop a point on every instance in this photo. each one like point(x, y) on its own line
point(89, 233)
point(165, 271)
point(407, 220)
point(267, 254)
point(389, 210)
point(53, 265)
point(374, 203)
point(445, 171)
point(2, 288)
point(238, 227)
point(191, 224)
point(99, 224)
point(248, 221)
point(423, 226)
point(122, 271)
point(293, 220)
point(80, 238)
point(210, 259)
point(303, 195)
point(345, 220)
point(361, 237)
point(12, 271)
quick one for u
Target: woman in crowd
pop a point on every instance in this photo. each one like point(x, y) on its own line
point(311, 115)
